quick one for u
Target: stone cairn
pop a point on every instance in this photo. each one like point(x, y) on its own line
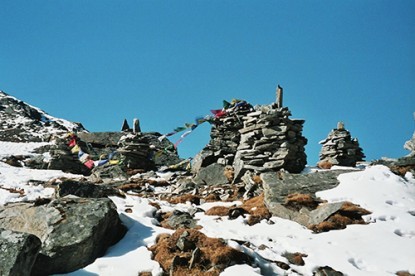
point(256, 139)
point(135, 151)
point(339, 148)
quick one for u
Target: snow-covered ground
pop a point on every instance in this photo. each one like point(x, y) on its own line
point(382, 247)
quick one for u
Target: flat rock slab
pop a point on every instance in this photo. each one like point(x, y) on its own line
point(277, 186)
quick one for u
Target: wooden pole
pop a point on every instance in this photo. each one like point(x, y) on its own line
point(279, 96)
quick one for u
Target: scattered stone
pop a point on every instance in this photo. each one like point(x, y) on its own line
point(180, 219)
point(326, 271)
point(295, 258)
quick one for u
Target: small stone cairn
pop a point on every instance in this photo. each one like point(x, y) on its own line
point(339, 148)
point(135, 151)
point(256, 139)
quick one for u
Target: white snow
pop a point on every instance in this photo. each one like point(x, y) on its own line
point(382, 247)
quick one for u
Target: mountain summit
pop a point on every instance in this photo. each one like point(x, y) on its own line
point(21, 122)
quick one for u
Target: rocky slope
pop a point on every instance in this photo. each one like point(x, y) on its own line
point(21, 122)
point(74, 218)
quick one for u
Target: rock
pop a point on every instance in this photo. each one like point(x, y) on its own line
point(327, 271)
point(21, 122)
point(185, 244)
point(18, 252)
point(85, 189)
point(295, 258)
point(181, 219)
point(277, 186)
point(202, 159)
point(213, 174)
point(107, 174)
point(323, 212)
point(73, 231)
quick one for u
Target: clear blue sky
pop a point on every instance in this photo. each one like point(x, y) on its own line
point(166, 62)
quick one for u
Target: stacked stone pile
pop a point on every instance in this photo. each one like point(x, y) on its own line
point(225, 136)
point(257, 139)
point(339, 148)
point(270, 141)
point(135, 151)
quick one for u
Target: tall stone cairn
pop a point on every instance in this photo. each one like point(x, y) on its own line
point(270, 141)
point(256, 139)
point(339, 148)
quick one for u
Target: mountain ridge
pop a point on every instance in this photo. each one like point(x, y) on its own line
point(22, 122)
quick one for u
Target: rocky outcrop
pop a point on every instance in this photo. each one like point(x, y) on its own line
point(339, 148)
point(21, 122)
point(73, 231)
point(18, 252)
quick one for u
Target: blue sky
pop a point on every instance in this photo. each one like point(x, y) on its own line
point(166, 62)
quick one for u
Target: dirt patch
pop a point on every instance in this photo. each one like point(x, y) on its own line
point(184, 198)
point(190, 252)
point(297, 201)
point(255, 207)
point(402, 170)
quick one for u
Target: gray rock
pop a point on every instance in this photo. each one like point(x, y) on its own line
point(101, 139)
point(181, 219)
point(323, 212)
point(278, 185)
point(18, 252)
point(327, 271)
point(73, 231)
point(107, 174)
point(85, 189)
point(202, 159)
point(211, 175)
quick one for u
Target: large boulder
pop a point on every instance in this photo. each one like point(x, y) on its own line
point(214, 174)
point(278, 185)
point(18, 252)
point(73, 231)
